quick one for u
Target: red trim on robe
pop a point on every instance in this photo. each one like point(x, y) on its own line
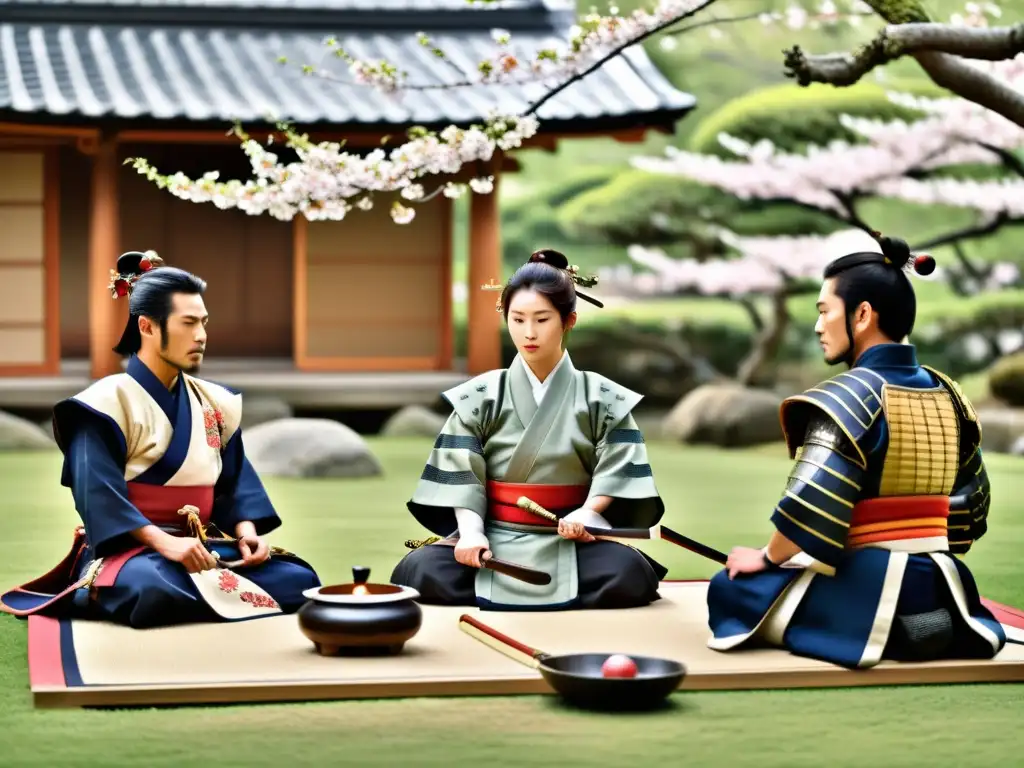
point(890, 509)
point(111, 566)
point(502, 498)
point(45, 662)
point(1012, 617)
point(158, 503)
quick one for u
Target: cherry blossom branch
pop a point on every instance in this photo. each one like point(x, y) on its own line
point(968, 233)
point(937, 49)
point(716, 21)
point(668, 19)
point(973, 84)
point(899, 40)
point(1009, 160)
point(324, 181)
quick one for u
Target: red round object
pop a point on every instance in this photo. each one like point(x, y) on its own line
point(145, 265)
point(121, 286)
point(924, 264)
point(619, 665)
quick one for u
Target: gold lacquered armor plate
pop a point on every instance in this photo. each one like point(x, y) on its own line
point(924, 442)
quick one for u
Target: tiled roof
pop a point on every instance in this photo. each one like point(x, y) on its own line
point(218, 62)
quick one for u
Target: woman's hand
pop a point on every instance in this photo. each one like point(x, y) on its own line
point(470, 549)
point(574, 532)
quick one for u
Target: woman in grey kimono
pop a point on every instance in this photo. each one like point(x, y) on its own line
point(543, 429)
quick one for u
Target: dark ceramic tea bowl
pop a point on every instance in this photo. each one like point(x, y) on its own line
point(360, 618)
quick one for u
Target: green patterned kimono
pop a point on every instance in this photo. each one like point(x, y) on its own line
point(582, 434)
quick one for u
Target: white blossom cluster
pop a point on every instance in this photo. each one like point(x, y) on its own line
point(327, 181)
point(954, 131)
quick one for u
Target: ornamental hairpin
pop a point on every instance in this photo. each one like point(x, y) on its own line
point(130, 267)
point(493, 286)
point(557, 259)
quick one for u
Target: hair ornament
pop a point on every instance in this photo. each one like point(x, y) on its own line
point(922, 264)
point(878, 236)
point(557, 260)
point(586, 282)
point(130, 267)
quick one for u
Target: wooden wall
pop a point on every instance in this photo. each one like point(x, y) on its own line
point(246, 260)
point(360, 294)
point(28, 262)
point(373, 294)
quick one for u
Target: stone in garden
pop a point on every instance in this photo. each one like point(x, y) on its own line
point(257, 410)
point(17, 434)
point(726, 415)
point(309, 448)
point(1001, 428)
point(414, 421)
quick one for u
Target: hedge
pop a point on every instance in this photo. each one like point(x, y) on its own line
point(1006, 379)
point(641, 207)
point(792, 117)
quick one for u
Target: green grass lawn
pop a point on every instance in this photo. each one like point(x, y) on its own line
point(338, 524)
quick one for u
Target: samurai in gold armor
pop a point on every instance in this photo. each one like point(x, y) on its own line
point(887, 494)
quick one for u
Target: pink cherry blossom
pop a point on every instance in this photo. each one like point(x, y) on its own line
point(327, 182)
point(763, 265)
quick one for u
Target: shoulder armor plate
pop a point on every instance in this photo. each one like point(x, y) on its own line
point(968, 416)
point(853, 400)
point(476, 400)
point(616, 401)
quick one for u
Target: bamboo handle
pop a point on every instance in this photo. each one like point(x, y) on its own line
point(532, 506)
point(500, 641)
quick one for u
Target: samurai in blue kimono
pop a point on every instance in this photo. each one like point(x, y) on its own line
point(865, 563)
point(173, 514)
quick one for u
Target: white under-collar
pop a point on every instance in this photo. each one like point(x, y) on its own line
point(539, 387)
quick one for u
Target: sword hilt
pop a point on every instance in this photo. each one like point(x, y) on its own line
point(532, 506)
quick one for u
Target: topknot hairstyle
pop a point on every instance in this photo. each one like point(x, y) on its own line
point(550, 274)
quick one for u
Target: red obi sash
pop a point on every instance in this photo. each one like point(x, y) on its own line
point(502, 498)
point(160, 503)
point(892, 518)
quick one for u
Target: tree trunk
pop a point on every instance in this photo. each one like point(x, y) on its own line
point(701, 369)
point(767, 342)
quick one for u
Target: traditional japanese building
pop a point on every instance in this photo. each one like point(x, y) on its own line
point(85, 84)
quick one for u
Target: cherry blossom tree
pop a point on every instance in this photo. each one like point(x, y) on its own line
point(772, 268)
point(328, 182)
point(908, 161)
point(900, 160)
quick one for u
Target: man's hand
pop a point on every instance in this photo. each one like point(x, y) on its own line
point(190, 552)
point(469, 549)
point(745, 560)
point(574, 531)
point(253, 549)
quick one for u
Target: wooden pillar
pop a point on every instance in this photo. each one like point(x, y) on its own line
point(484, 324)
point(106, 316)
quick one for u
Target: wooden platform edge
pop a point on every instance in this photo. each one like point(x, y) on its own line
point(57, 697)
point(949, 673)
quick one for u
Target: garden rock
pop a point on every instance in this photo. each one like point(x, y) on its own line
point(1017, 449)
point(258, 410)
point(725, 415)
point(414, 421)
point(1001, 428)
point(309, 448)
point(17, 434)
